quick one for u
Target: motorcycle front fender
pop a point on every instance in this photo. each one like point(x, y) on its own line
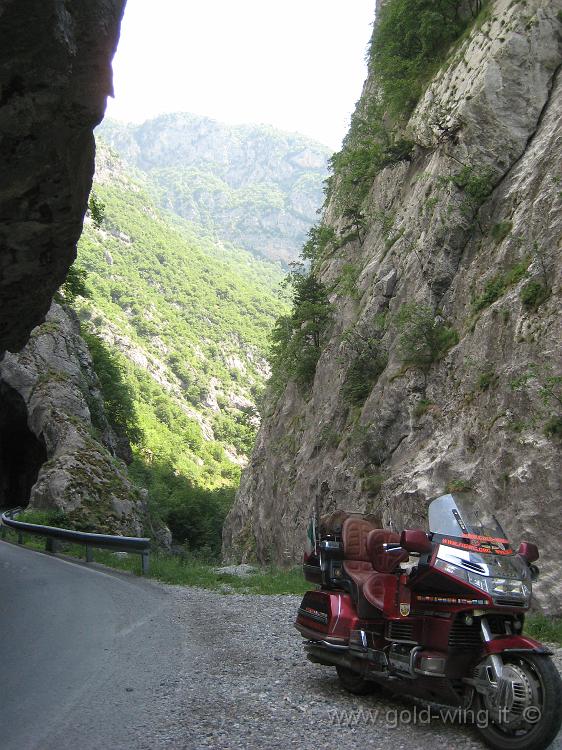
point(513, 643)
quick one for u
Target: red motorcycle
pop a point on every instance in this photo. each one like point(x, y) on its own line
point(438, 616)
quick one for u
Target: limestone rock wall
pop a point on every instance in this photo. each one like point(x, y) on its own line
point(478, 417)
point(83, 476)
point(55, 76)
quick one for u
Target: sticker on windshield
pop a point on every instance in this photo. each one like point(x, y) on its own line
point(486, 545)
point(497, 540)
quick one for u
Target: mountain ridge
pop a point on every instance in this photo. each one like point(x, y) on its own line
point(252, 185)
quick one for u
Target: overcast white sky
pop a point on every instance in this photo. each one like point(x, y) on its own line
point(296, 64)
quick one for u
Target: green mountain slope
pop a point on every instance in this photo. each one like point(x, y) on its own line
point(252, 185)
point(178, 326)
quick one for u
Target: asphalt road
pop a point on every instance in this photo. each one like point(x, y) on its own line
point(83, 651)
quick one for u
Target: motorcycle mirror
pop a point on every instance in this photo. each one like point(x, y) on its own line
point(415, 540)
point(529, 552)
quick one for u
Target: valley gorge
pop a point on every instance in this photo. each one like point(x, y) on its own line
point(455, 235)
point(213, 334)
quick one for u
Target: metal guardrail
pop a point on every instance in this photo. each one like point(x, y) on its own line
point(52, 534)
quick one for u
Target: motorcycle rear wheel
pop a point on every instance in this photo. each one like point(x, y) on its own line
point(538, 733)
point(353, 682)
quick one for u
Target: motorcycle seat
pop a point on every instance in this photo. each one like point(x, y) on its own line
point(379, 590)
point(369, 567)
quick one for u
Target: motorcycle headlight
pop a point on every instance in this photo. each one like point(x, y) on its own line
point(496, 587)
point(480, 582)
point(502, 588)
point(506, 586)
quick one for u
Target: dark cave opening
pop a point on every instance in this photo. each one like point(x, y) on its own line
point(21, 453)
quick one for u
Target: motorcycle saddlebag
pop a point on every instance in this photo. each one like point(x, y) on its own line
point(326, 616)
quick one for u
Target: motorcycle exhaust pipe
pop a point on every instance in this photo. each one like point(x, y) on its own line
point(319, 655)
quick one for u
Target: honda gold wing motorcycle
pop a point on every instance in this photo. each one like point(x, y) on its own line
point(438, 616)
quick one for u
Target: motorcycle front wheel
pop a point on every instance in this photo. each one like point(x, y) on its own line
point(531, 718)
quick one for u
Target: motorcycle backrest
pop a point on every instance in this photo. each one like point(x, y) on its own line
point(354, 536)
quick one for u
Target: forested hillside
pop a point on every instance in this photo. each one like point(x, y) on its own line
point(178, 325)
point(252, 185)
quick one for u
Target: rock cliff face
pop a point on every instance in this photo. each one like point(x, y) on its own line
point(55, 76)
point(471, 226)
point(252, 185)
point(66, 459)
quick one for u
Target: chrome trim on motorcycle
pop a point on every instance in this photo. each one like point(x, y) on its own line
point(495, 660)
point(413, 653)
point(331, 646)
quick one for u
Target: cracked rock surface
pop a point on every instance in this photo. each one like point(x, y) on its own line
point(83, 475)
point(493, 109)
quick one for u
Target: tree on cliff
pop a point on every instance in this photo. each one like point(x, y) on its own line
point(297, 338)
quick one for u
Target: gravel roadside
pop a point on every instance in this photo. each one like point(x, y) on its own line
point(246, 684)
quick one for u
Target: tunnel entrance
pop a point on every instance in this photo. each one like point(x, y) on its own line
point(21, 453)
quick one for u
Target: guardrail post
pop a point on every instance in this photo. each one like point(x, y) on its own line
point(3, 531)
point(89, 553)
point(50, 544)
point(144, 563)
point(21, 540)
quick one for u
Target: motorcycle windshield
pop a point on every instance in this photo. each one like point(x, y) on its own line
point(462, 523)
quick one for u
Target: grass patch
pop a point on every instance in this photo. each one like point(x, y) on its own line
point(486, 380)
point(424, 337)
point(360, 379)
point(421, 407)
point(347, 284)
point(543, 628)
point(459, 485)
point(477, 185)
point(534, 294)
point(501, 230)
point(372, 484)
point(553, 428)
point(499, 284)
point(187, 570)
point(45, 518)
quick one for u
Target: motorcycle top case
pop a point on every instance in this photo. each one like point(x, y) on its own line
point(326, 615)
